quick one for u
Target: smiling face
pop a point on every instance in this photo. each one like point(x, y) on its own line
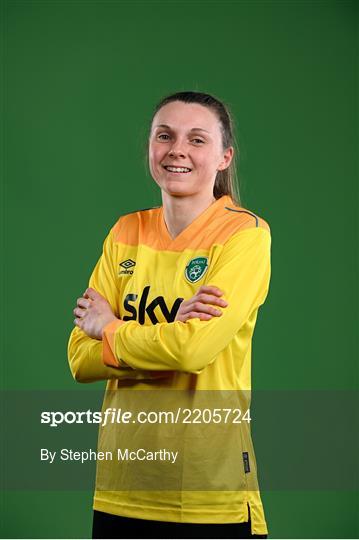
point(185, 149)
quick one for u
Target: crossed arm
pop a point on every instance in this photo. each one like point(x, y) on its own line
point(102, 347)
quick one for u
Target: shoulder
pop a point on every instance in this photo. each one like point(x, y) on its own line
point(236, 221)
point(246, 234)
point(242, 218)
point(127, 227)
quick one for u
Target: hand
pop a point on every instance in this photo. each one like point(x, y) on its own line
point(198, 305)
point(94, 313)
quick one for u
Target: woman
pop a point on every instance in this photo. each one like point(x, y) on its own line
point(171, 305)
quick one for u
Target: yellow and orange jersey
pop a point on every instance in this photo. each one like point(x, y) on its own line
point(145, 274)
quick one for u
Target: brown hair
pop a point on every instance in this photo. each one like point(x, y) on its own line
point(226, 182)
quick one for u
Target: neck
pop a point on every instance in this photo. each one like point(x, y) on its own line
point(179, 212)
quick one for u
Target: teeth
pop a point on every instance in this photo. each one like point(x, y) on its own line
point(177, 169)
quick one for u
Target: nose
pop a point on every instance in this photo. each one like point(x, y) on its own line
point(176, 150)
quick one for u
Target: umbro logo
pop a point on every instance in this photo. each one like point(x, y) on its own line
point(128, 263)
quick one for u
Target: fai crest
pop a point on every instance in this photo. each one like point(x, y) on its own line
point(196, 268)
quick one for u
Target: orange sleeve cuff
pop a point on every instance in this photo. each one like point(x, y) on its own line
point(108, 344)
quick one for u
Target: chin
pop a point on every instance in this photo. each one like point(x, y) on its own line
point(176, 189)
point(177, 192)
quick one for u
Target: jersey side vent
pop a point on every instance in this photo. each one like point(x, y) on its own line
point(246, 462)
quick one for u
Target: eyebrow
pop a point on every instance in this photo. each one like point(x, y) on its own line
point(193, 129)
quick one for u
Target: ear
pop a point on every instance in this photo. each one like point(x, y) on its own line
point(227, 158)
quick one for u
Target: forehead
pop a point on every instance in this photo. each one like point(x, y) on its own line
point(179, 115)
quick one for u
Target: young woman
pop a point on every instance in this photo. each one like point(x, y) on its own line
point(171, 305)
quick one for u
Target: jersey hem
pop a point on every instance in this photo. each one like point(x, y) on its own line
point(215, 515)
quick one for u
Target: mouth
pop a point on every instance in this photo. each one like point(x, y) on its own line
point(177, 170)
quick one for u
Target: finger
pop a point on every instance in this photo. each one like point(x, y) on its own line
point(197, 315)
point(83, 302)
point(78, 322)
point(211, 299)
point(79, 312)
point(184, 304)
point(202, 316)
point(91, 293)
point(210, 289)
point(198, 307)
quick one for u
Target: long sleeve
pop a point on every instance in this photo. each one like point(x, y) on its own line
point(242, 271)
point(85, 355)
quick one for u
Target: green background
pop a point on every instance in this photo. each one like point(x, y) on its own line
point(79, 82)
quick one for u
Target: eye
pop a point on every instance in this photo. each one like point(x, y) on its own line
point(163, 135)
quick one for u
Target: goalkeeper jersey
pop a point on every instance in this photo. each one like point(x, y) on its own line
point(145, 274)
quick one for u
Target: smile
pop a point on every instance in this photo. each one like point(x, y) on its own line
point(177, 169)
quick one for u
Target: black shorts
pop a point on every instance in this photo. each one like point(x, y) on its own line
point(110, 526)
